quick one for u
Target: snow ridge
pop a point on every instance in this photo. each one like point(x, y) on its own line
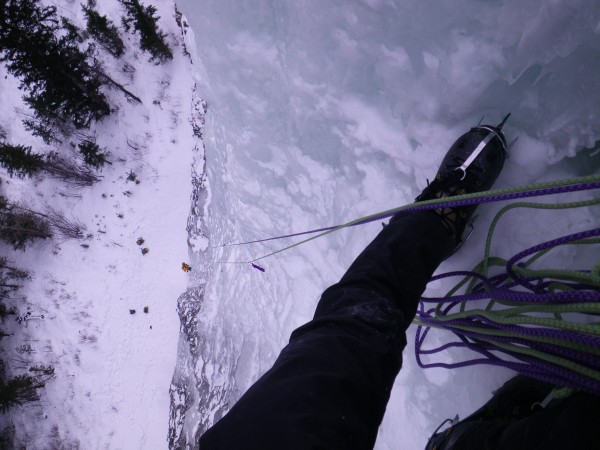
point(182, 392)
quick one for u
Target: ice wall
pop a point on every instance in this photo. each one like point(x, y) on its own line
point(320, 112)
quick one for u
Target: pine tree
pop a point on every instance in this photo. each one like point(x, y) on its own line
point(103, 30)
point(44, 128)
point(92, 154)
point(144, 21)
point(7, 434)
point(59, 83)
point(20, 226)
point(19, 160)
point(69, 172)
point(19, 390)
point(10, 279)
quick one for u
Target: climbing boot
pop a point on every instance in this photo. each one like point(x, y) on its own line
point(471, 165)
point(518, 398)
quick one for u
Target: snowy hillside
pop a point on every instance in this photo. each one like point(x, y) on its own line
point(322, 112)
point(112, 366)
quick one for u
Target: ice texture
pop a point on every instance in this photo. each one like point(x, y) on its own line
point(322, 112)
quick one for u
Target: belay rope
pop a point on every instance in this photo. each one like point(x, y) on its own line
point(496, 195)
point(542, 323)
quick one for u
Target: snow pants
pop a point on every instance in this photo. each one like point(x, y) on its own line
point(330, 385)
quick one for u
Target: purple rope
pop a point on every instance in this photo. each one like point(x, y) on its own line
point(500, 287)
point(510, 196)
point(490, 284)
point(545, 245)
point(449, 204)
point(523, 297)
point(552, 349)
point(549, 333)
point(530, 366)
point(574, 379)
point(543, 370)
point(484, 323)
point(533, 368)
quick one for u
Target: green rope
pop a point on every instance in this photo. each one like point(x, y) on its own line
point(533, 315)
point(495, 192)
point(491, 333)
point(548, 206)
point(515, 316)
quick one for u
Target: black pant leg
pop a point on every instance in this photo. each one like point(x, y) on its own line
point(330, 385)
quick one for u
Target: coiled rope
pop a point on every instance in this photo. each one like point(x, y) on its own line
point(542, 323)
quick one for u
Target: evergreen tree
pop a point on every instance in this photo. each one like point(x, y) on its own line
point(60, 84)
point(144, 21)
point(20, 226)
point(73, 33)
point(103, 30)
point(19, 160)
point(68, 172)
point(10, 279)
point(48, 131)
point(92, 154)
point(19, 390)
point(7, 434)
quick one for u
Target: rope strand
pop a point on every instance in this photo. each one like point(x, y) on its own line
point(528, 333)
point(505, 194)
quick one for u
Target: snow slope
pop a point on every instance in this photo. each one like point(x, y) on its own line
point(112, 368)
point(321, 112)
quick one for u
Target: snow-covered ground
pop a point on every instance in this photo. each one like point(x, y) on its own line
point(112, 368)
point(318, 113)
point(321, 112)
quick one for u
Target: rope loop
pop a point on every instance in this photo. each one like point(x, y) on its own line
point(543, 323)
